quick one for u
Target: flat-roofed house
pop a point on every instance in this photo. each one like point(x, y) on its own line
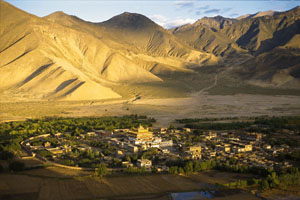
point(144, 163)
point(194, 151)
point(132, 148)
point(248, 147)
point(166, 143)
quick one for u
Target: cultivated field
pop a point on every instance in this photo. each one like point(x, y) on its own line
point(50, 183)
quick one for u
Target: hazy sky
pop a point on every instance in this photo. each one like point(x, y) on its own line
point(168, 13)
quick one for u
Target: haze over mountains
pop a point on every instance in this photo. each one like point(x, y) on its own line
point(61, 57)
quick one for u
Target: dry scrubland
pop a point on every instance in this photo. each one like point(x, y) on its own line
point(164, 110)
point(56, 183)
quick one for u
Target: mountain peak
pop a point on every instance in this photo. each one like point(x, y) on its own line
point(219, 17)
point(130, 14)
point(129, 20)
point(63, 18)
point(296, 9)
point(217, 22)
point(258, 14)
point(56, 15)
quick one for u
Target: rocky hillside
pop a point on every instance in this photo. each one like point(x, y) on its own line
point(61, 57)
point(271, 38)
point(205, 35)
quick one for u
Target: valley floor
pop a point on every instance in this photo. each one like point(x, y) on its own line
point(56, 183)
point(165, 111)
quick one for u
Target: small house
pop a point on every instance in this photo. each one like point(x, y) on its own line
point(144, 163)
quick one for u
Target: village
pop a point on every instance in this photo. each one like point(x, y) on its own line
point(153, 148)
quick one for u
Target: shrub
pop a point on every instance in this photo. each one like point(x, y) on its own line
point(68, 162)
point(265, 185)
point(45, 153)
point(101, 170)
point(173, 170)
point(135, 170)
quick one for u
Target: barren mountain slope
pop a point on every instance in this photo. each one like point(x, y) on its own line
point(274, 40)
point(145, 36)
point(39, 60)
point(136, 37)
point(61, 57)
point(271, 40)
point(262, 34)
point(204, 35)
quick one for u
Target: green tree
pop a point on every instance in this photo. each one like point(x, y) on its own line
point(45, 153)
point(197, 166)
point(273, 180)
point(173, 170)
point(127, 158)
point(180, 170)
point(101, 170)
point(116, 162)
point(188, 168)
point(68, 162)
point(204, 165)
point(134, 157)
point(265, 184)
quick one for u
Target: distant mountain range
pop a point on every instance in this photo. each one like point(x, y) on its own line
point(61, 57)
point(259, 14)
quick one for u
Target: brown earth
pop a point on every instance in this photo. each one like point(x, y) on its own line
point(49, 183)
point(164, 110)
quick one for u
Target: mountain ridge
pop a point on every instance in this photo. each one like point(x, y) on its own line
point(259, 14)
point(62, 57)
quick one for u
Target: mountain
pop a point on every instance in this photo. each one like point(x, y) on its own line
point(137, 34)
point(204, 35)
point(142, 36)
point(256, 33)
point(39, 60)
point(139, 40)
point(264, 33)
point(62, 57)
point(274, 41)
point(217, 22)
point(66, 58)
point(258, 14)
point(270, 39)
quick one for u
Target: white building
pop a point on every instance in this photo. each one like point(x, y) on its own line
point(144, 163)
point(166, 143)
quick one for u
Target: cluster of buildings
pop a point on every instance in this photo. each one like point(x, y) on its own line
point(46, 145)
point(171, 144)
point(246, 148)
point(139, 139)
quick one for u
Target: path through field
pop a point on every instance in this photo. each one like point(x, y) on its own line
point(202, 91)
